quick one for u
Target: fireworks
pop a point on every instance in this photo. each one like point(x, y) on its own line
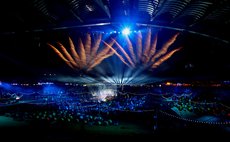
point(88, 55)
point(142, 54)
point(147, 55)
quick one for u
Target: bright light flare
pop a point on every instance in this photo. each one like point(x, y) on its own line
point(126, 31)
point(17, 98)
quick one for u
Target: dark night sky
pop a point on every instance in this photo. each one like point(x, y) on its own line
point(26, 55)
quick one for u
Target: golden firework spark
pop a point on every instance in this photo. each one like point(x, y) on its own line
point(88, 55)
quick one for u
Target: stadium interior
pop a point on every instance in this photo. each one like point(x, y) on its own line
point(91, 69)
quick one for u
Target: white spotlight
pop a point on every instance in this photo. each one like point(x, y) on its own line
point(126, 31)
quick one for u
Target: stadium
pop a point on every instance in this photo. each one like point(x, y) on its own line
point(91, 69)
